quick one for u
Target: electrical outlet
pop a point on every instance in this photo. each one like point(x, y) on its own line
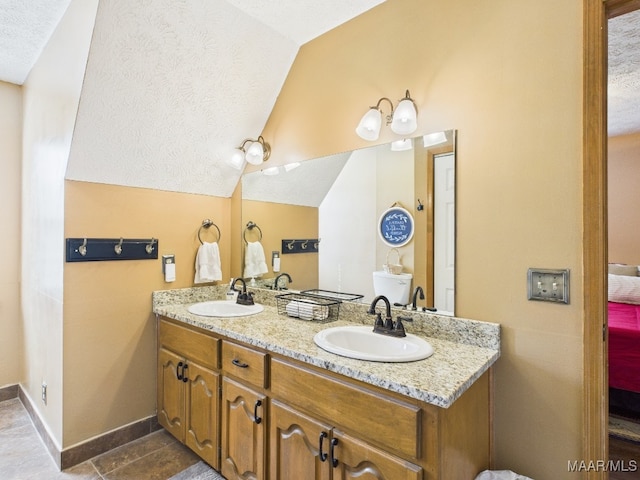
point(548, 285)
point(44, 393)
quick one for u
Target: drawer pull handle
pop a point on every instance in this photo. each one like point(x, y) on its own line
point(179, 371)
point(257, 419)
point(323, 456)
point(334, 460)
point(185, 377)
point(240, 364)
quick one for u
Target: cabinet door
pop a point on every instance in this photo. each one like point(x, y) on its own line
point(356, 460)
point(243, 432)
point(171, 398)
point(299, 445)
point(203, 412)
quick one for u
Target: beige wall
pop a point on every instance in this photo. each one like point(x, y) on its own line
point(109, 330)
point(509, 78)
point(51, 95)
point(624, 199)
point(11, 363)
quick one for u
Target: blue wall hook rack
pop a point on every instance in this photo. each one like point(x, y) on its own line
point(99, 249)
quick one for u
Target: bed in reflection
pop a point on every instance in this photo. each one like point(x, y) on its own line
point(624, 340)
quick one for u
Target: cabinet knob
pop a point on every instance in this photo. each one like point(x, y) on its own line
point(257, 419)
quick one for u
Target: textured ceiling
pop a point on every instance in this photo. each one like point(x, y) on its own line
point(624, 74)
point(25, 28)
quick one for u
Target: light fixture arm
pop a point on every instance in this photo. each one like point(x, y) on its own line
point(407, 96)
point(388, 117)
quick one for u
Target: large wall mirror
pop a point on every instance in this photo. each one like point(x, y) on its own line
point(338, 202)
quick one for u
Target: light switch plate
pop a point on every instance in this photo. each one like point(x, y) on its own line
point(548, 285)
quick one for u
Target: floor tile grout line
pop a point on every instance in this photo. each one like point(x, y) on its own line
point(132, 461)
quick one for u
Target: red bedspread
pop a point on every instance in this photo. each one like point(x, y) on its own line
point(624, 346)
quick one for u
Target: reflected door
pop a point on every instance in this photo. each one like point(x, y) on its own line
point(444, 203)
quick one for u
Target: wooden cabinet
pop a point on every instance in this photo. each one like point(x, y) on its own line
point(243, 431)
point(188, 389)
point(257, 415)
point(244, 407)
point(313, 445)
point(303, 447)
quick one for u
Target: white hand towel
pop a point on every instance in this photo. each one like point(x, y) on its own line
point(254, 260)
point(307, 310)
point(208, 263)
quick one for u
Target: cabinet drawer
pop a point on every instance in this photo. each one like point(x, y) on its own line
point(382, 420)
point(191, 344)
point(245, 363)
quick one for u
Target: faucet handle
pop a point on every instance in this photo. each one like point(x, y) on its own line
point(399, 327)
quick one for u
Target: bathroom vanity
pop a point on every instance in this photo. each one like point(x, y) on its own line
point(256, 398)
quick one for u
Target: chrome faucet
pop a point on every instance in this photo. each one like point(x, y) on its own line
point(388, 326)
point(244, 298)
point(275, 282)
point(415, 297)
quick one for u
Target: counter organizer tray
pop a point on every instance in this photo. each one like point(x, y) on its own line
point(308, 307)
point(331, 295)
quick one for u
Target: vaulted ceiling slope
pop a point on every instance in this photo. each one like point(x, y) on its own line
point(25, 28)
point(171, 88)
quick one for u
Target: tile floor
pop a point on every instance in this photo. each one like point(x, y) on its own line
point(23, 456)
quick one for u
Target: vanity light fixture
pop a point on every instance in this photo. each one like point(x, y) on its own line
point(403, 120)
point(252, 151)
point(291, 166)
point(434, 139)
point(401, 145)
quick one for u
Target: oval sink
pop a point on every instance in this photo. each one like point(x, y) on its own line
point(362, 344)
point(224, 308)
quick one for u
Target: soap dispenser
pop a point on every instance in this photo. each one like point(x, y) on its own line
point(231, 294)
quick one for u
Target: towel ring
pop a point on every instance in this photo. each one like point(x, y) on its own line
point(206, 223)
point(251, 226)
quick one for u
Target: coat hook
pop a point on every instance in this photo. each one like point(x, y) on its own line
point(118, 247)
point(82, 249)
point(303, 245)
point(149, 247)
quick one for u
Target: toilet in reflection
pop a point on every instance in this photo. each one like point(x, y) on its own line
point(397, 288)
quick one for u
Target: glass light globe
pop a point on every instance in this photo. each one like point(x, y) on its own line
point(255, 153)
point(405, 119)
point(369, 126)
point(236, 159)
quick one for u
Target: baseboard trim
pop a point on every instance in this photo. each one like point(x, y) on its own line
point(82, 452)
point(9, 392)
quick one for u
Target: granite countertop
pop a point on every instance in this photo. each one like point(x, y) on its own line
point(463, 349)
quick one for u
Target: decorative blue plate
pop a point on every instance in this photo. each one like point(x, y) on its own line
point(396, 227)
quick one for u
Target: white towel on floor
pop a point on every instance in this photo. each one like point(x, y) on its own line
point(254, 260)
point(208, 263)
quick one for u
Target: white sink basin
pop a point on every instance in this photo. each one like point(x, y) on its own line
point(361, 343)
point(224, 308)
